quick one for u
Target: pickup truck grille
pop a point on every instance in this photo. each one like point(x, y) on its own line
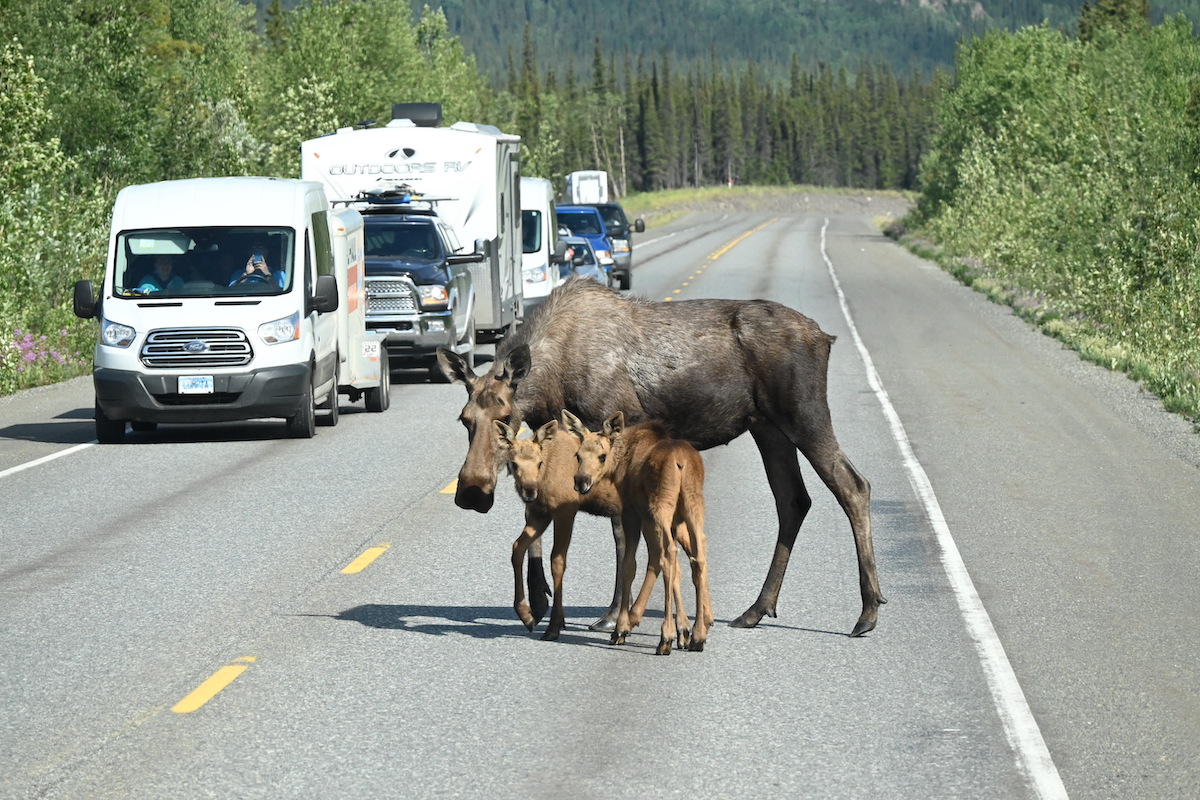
point(386, 296)
point(172, 348)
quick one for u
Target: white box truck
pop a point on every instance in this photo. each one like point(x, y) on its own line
point(472, 169)
point(230, 299)
point(587, 186)
point(541, 250)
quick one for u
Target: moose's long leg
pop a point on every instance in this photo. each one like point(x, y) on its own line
point(609, 620)
point(539, 589)
point(853, 493)
point(535, 525)
point(792, 502)
point(564, 524)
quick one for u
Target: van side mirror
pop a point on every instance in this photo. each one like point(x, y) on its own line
point(325, 295)
point(85, 300)
point(639, 225)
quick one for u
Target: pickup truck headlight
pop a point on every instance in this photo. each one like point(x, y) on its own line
point(604, 257)
point(280, 330)
point(536, 274)
point(620, 245)
point(433, 297)
point(114, 334)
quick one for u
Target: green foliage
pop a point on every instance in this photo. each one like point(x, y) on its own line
point(1065, 173)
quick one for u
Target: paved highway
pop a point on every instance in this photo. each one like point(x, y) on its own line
point(218, 611)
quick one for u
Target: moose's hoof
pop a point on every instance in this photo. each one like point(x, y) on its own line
point(664, 648)
point(551, 635)
point(862, 627)
point(618, 637)
point(606, 623)
point(749, 618)
point(696, 646)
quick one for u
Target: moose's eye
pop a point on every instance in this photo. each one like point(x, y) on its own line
point(603, 458)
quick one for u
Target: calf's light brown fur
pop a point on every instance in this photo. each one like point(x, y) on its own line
point(660, 482)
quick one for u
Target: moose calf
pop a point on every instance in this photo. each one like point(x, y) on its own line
point(660, 482)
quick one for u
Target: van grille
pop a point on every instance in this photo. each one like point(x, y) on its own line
point(387, 296)
point(172, 348)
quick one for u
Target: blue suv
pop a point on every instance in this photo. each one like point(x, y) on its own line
point(588, 222)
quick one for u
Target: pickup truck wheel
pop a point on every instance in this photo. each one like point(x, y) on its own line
point(379, 397)
point(304, 424)
point(626, 280)
point(108, 431)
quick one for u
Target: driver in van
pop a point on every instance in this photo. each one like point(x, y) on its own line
point(257, 271)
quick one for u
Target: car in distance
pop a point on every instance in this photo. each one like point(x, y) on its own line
point(586, 221)
point(582, 262)
point(620, 233)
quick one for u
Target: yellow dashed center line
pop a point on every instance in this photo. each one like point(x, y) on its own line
point(209, 689)
point(452, 488)
point(364, 560)
point(720, 252)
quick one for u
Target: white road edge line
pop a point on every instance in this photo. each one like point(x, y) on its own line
point(44, 459)
point(1024, 736)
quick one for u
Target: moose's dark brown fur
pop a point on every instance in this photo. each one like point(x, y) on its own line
point(709, 370)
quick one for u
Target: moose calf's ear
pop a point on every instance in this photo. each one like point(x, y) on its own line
point(614, 424)
point(573, 425)
point(504, 433)
point(546, 432)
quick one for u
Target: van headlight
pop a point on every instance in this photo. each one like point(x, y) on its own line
point(536, 274)
point(280, 330)
point(114, 334)
point(433, 297)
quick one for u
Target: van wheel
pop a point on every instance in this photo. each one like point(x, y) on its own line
point(380, 397)
point(108, 431)
point(304, 424)
point(330, 407)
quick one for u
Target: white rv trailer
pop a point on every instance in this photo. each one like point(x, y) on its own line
point(473, 170)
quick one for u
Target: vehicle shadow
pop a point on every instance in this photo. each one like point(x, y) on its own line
point(70, 427)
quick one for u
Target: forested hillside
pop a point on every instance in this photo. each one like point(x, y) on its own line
point(903, 34)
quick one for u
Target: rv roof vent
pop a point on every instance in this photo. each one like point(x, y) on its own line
point(424, 115)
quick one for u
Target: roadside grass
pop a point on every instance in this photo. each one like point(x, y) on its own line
point(1144, 349)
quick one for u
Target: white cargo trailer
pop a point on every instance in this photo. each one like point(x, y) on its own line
point(587, 186)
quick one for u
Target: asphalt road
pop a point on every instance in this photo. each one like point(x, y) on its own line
point(175, 620)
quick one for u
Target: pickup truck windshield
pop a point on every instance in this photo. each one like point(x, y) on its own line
point(402, 241)
point(204, 262)
point(581, 222)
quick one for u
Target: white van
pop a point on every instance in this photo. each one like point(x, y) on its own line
point(220, 301)
point(541, 250)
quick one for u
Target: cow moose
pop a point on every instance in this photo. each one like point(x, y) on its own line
point(709, 370)
point(660, 481)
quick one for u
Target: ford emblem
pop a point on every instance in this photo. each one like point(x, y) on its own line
point(196, 346)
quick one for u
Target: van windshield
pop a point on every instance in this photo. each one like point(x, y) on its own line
point(200, 262)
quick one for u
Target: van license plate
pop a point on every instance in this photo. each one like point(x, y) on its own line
point(195, 384)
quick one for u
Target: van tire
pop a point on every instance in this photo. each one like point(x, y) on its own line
point(304, 424)
point(378, 398)
point(108, 431)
